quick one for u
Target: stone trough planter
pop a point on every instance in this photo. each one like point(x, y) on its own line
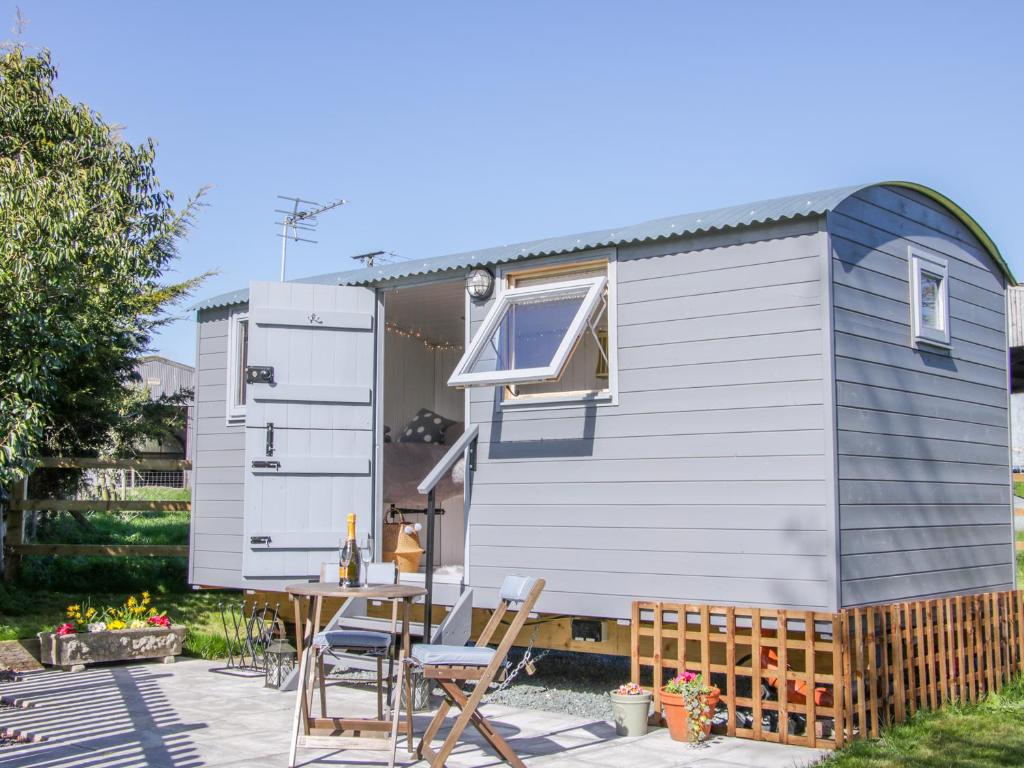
point(73, 652)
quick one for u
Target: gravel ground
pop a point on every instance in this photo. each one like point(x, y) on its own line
point(573, 683)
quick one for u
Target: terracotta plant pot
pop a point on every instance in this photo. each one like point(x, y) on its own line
point(678, 718)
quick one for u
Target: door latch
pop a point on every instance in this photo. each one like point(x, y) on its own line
point(270, 438)
point(259, 374)
point(265, 464)
point(259, 539)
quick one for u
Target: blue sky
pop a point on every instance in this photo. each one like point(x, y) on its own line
point(451, 126)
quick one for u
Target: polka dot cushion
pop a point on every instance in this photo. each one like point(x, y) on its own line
point(425, 427)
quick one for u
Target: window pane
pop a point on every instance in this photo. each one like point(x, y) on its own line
point(243, 360)
point(529, 334)
point(931, 310)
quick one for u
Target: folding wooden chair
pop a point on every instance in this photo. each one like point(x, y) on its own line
point(453, 665)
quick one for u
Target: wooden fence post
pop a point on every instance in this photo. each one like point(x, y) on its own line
point(14, 529)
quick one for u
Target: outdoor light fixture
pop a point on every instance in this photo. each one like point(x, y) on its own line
point(480, 284)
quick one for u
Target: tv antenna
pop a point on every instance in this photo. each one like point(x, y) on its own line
point(371, 258)
point(301, 219)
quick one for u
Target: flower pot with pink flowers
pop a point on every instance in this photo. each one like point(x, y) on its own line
point(129, 632)
point(689, 704)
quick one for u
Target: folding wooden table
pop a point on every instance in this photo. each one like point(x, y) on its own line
point(343, 732)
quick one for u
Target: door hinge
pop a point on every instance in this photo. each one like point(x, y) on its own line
point(265, 464)
point(270, 438)
point(259, 374)
point(259, 539)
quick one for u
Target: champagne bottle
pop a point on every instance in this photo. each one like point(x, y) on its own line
point(348, 557)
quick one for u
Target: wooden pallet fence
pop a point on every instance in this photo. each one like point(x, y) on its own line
point(919, 655)
point(775, 668)
point(822, 679)
point(15, 547)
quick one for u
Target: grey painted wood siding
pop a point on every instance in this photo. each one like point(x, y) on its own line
point(709, 480)
point(924, 492)
point(217, 495)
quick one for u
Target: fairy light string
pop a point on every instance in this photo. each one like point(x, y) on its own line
point(433, 346)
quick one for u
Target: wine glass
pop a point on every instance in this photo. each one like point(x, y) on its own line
point(346, 555)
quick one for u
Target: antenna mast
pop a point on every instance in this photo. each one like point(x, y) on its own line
point(300, 219)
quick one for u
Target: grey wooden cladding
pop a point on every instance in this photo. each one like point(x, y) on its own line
point(877, 516)
point(872, 305)
point(903, 562)
point(219, 451)
point(866, 444)
point(721, 539)
point(888, 589)
point(655, 562)
point(714, 446)
point(908, 492)
point(736, 445)
point(762, 298)
point(759, 395)
point(927, 427)
point(923, 464)
point(673, 520)
point(751, 323)
point(905, 401)
point(516, 427)
point(656, 469)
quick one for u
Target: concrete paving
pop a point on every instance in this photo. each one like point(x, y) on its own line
point(193, 714)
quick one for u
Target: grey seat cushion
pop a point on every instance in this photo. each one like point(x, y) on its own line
point(516, 589)
point(353, 640)
point(455, 655)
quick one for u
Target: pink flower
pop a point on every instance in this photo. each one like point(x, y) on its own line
point(159, 621)
point(67, 629)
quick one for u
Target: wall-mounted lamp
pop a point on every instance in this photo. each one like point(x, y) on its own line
point(479, 284)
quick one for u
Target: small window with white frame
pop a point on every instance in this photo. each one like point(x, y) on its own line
point(549, 335)
point(929, 298)
point(238, 359)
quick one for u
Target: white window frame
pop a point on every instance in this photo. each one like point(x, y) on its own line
point(462, 377)
point(235, 412)
point(922, 261)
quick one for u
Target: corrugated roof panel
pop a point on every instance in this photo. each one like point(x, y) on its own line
point(762, 212)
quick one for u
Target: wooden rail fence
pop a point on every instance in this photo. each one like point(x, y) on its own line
point(823, 679)
point(15, 546)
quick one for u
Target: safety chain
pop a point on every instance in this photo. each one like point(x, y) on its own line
point(527, 662)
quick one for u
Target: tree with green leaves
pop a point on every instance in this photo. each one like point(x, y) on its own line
point(87, 235)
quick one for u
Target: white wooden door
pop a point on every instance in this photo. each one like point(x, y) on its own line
point(309, 444)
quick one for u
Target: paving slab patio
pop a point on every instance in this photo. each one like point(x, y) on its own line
point(193, 714)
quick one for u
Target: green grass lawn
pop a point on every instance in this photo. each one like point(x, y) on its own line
point(1018, 488)
point(984, 735)
point(49, 583)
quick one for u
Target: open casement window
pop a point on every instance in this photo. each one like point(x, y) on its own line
point(531, 331)
point(929, 298)
point(238, 354)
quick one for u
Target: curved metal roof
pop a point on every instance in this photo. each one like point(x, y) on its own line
point(748, 214)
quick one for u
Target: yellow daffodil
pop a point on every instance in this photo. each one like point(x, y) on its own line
point(115, 624)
